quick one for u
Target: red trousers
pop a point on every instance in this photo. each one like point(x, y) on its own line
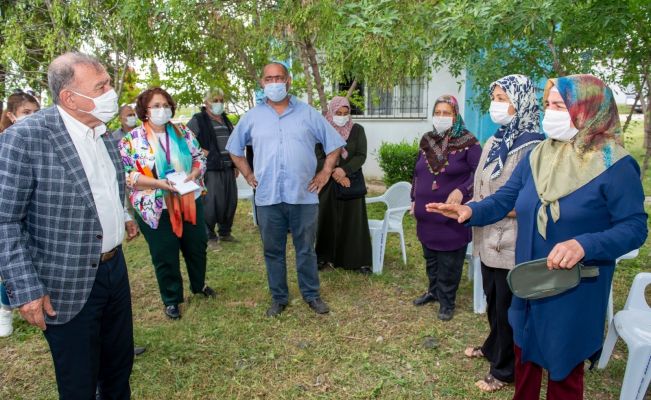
point(528, 379)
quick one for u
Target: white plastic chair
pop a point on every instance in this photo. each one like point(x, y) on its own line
point(245, 192)
point(633, 325)
point(474, 275)
point(609, 311)
point(398, 201)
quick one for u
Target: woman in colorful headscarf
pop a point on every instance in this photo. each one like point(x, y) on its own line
point(577, 197)
point(513, 106)
point(171, 220)
point(343, 238)
point(444, 172)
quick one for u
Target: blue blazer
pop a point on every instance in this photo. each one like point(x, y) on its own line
point(51, 234)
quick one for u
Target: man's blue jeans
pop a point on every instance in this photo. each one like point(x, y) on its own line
point(274, 222)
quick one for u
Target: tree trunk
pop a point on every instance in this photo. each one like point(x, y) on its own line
point(3, 79)
point(647, 126)
point(309, 86)
point(352, 88)
point(318, 82)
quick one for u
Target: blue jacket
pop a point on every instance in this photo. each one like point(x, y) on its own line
point(606, 216)
point(51, 233)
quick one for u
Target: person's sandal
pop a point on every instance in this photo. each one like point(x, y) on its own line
point(490, 384)
point(473, 352)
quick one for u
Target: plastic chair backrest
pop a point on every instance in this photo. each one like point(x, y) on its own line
point(398, 195)
point(636, 299)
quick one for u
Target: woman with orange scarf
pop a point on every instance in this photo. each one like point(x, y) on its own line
point(169, 220)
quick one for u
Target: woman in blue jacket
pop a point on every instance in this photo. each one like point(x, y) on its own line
point(577, 197)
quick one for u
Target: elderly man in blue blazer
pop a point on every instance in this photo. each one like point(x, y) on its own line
point(62, 222)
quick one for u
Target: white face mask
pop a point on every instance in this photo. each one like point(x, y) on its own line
point(441, 124)
point(160, 116)
point(556, 125)
point(340, 120)
point(22, 117)
point(106, 105)
point(217, 108)
point(499, 112)
point(131, 121)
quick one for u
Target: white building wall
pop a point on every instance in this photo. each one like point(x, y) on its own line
point(396, 130)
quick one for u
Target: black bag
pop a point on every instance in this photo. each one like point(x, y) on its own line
point(357, 188)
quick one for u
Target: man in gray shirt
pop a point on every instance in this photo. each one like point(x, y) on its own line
point(212, 129)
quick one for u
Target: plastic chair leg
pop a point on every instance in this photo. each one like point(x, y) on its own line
point(638, 373)
point(403, 248)
point(376, 245)
point(609, 310)
point(479, 298)
point(609, 345)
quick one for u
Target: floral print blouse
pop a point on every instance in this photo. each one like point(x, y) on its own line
point(137, 156)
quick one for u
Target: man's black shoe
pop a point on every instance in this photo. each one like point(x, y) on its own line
point(173, 312)
point(446, 314)
point(138, 350)
point(228, 238)
point(424, 299)
point(275, 309)
point(209, 292)
point(365, 270)
point(319, 306)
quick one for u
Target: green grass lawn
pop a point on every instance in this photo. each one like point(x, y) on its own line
point(374, 344)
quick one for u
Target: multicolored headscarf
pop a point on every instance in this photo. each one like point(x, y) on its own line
point(524, 128)
point(436, 146)
point(560, 168)
point(335, 104)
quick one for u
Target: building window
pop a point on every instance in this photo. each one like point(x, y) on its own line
point(407, 100)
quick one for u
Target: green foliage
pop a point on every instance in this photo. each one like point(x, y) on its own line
point(234, 118)
point(397, 161)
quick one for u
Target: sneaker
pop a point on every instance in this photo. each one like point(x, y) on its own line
point(6, 320)
point(209, 292)
point(319, 306)
point(173, 312)
point(276, 309)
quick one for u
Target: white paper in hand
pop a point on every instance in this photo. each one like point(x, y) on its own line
point(178, 178)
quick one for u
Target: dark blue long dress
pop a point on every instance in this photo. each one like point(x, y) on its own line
point(606, 216)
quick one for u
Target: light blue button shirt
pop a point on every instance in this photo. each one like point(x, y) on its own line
point(283, 146)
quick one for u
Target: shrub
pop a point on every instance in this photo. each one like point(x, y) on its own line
point(397, 161)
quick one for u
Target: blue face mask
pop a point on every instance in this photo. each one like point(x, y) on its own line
point(275, 91)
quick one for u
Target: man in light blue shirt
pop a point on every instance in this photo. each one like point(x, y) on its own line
point(283, 132)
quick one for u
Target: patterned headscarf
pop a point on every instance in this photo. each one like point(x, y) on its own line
point(524, 128)
point(560, 168)
point(335, 104)
point(437, 145)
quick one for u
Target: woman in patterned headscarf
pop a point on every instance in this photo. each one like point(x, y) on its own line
point(449, 155)
point(343, 238)
point(514, 106)
point(577, 197)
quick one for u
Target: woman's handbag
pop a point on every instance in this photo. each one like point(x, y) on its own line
point(357, 188)
point(533, 280)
